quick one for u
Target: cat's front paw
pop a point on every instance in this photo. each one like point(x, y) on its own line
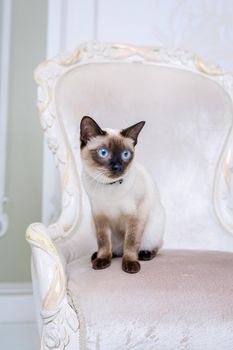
point(130, 266)
point(101, 263)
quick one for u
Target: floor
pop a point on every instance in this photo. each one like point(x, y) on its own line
point(19, 336)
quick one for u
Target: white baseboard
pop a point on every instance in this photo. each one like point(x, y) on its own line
point(16, 303)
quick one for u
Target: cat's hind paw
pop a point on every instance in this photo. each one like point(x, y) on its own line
point(94, 256)
point(114, 255)
point(146, 255)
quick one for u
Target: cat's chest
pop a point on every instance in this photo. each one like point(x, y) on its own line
point(113, 202)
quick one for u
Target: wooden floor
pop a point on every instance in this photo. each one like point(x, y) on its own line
point(19, 336)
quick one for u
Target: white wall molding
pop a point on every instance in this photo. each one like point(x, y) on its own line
point(4, 86)
point(16, 303)
point(70, 22)
point(55, 43)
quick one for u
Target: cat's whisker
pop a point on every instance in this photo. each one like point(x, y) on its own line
point(97, 183)
point(97, 177)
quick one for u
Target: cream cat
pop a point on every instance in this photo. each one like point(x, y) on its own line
point(127, 212)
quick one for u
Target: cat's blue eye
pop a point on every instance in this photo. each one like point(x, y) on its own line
point(126, 154)
point(103, 152)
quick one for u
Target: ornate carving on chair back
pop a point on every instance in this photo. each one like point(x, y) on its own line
point(188, 109)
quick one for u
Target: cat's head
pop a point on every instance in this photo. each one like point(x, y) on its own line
point(107, 153)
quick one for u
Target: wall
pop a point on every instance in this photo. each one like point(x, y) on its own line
point(24, 138)
point(203, 26)
point(1, 24)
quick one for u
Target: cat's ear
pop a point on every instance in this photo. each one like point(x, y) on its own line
point(89, 129)
point(133, 131)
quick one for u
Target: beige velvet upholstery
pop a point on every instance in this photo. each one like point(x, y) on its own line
point(183, 299)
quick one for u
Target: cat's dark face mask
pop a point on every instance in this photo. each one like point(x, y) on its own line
point(106, 151)
point(114, 155)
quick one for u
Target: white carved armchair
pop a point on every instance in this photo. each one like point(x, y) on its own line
point(183, 299)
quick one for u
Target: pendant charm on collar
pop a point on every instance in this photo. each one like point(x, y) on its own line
point(120, 182)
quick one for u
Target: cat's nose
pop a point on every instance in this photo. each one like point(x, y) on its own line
point(117, 167)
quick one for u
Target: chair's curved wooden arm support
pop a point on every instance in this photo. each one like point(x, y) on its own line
point(48, 266)
point(60, 324)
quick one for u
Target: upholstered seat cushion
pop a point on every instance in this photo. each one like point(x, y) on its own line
point(179, 300)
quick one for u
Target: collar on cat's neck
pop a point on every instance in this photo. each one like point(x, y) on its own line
point(115, 182)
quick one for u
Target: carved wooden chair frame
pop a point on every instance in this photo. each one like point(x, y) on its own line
point(61, 324)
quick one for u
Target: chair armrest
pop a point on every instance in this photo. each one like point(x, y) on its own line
point(48, 266)
point(60, 323)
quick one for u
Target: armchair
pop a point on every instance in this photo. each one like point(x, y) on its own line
point(182, 299)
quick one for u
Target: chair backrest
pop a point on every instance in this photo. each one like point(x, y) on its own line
point(186, 143)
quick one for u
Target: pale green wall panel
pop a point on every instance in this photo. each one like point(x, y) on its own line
point(24, 142)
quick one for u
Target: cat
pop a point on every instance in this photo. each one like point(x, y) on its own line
point(125, 203)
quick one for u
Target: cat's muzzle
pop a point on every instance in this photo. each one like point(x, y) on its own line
point(117, 168)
